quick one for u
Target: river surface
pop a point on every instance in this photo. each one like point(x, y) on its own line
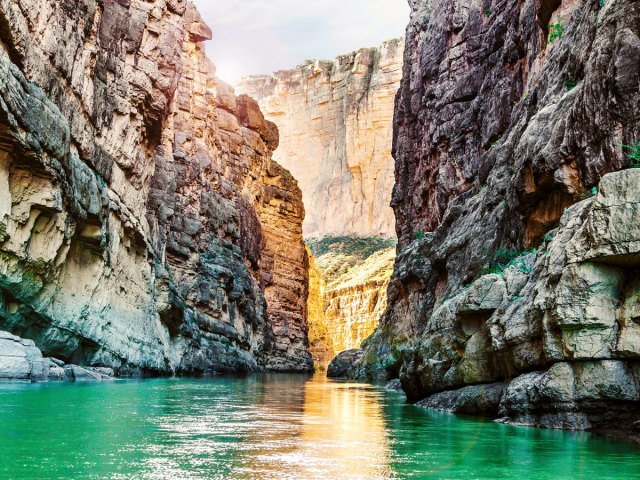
point(275, 427)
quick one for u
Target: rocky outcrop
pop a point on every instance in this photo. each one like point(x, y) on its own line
point(143, 224)
point(344, 364)
point(551, 340)
point(505, 119)
point(334, 119)
point(21, 360)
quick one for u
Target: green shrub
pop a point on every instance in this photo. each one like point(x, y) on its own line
point(634, 154)
point(570, 83)
point(419, 235)
point(361, 247)
point(602, 3)
point(556, 30)
point(487, 12)
point(504, 259)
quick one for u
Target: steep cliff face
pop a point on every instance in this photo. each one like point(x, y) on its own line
point(334, 119)
point(144, 225)
point(508, 115)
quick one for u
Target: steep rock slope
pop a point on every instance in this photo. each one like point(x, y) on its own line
point(144, 225)
point(509, 113)
point(334, 119)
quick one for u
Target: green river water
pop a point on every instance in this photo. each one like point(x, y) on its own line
point(275, 427)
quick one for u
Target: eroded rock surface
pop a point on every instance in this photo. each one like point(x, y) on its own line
point(501, 130)
point(20, 359)
point(143, 224)
point(334, 119)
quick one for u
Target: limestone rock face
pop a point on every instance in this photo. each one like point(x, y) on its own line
point(355, 303)
point(568, 312)
point(334, 119)
point(143, 223)
point(497, 118)
point(499, 128)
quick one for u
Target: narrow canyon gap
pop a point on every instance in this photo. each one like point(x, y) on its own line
point(335, 121)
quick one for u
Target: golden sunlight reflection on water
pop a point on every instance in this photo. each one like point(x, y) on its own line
point(319, 430)
point(345, 424)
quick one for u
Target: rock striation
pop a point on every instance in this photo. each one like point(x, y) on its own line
point(507, 121)
point(357, 300)
point(568, 312)
point(143, 223)
point(334, 119)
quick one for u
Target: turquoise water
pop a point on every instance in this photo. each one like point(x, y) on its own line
point(275, 427)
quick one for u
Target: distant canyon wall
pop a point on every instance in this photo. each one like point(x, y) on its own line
point(335, 122)
point(143, 223)
point(347, 292)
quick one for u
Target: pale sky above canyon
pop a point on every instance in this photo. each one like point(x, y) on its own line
point(261, 36)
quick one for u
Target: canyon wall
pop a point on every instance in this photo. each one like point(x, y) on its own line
point(143, 223)
point(357, 299)
point(347, 292)
point(334, 119)
point(514, 292)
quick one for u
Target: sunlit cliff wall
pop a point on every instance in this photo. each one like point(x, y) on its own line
point(353, 275)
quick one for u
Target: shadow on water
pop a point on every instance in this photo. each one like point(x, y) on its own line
point(275, 427)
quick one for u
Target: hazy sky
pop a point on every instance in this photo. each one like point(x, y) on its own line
point(261, 36)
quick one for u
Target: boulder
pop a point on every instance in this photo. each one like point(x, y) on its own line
point(21, 360)
point(344, 364)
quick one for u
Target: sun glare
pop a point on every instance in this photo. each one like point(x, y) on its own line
point(228, 72)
